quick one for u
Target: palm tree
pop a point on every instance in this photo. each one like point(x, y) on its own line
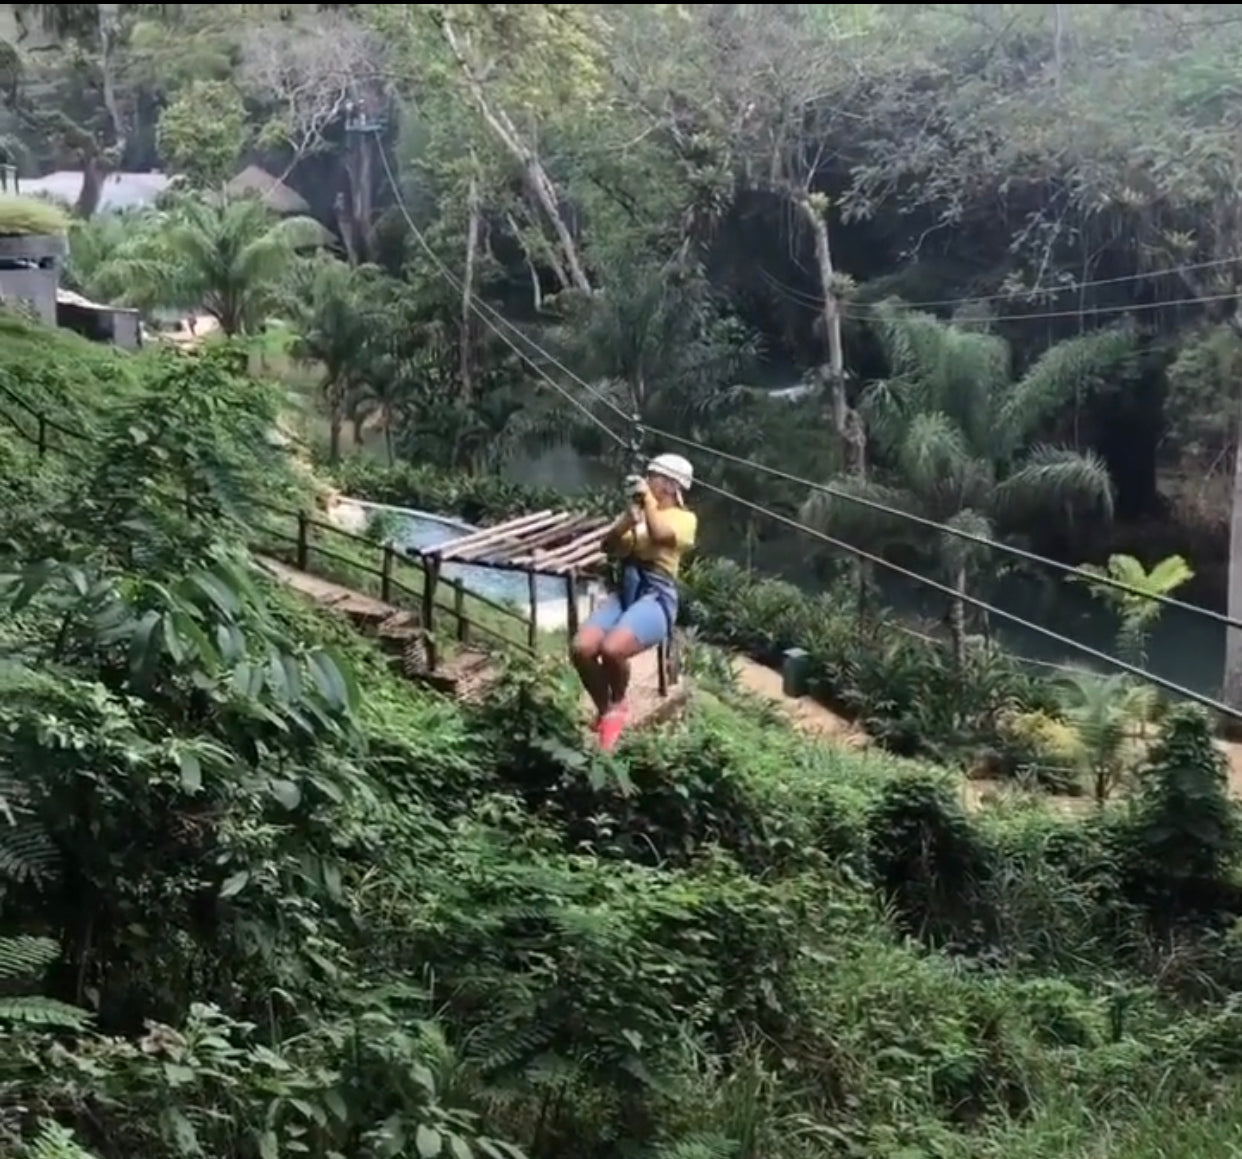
point(1103, 715)
point(953, 434)
point(335, 312)
point(656, 344)
point(1139, 608)
point(231, 257)
point(94, 243)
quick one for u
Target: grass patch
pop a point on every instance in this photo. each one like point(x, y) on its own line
point(31, 217)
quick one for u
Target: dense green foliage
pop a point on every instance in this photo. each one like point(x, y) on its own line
point(261, 897)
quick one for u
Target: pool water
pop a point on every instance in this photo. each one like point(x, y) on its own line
point(420, 530)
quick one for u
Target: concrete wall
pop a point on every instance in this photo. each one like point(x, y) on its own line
point(36, 286)
point(30, 272)
point(100, 324)
point(126, 331)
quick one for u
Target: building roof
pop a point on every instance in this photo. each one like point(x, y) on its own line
point(70, 298)
point(120, 190)
point(271, 189)
point(546, 542)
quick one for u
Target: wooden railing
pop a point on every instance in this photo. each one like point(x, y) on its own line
point(304, 533)
point(420, 601)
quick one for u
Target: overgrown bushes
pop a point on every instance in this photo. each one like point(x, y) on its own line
point(908, 694)
point(302, 908)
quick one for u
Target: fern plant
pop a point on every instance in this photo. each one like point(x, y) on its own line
point(55, 1142)
point(27, 855)
point(22, 959)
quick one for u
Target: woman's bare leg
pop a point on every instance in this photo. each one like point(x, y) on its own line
point(616, 650)
point(586, 653)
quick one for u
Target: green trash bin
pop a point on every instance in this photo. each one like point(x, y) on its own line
point(795, 671)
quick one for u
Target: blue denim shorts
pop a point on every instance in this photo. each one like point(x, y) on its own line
point(645, 617)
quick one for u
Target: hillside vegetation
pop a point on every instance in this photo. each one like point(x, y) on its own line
point(261, 898)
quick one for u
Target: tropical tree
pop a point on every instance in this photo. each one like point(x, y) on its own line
point(658, 345)
point(231, 257)
point(1139, 607)
point(1104, 715)
point(335, 311)
point(954, 434)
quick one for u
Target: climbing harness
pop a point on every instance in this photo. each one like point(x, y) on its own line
point(632, 582)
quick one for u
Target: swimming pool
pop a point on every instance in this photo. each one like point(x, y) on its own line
point(419, 530)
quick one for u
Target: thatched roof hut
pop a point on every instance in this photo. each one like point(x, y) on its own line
point(274, 192)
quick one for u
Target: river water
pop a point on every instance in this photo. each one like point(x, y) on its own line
point(1183, 647)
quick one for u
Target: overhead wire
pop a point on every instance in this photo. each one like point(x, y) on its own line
point(474, 304)
point(846, 496)
point(983, 606)
point(859, 553)
point(858, 311)
point(1010, 549)
point(1055, 291)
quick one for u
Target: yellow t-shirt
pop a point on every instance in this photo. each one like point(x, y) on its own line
point(663, 557)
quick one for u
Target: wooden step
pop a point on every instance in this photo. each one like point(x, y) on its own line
point(465, 676)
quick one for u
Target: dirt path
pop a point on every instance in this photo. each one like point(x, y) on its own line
point(806, 714)
point(815, 719)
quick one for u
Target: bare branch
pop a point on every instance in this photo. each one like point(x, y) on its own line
point(310, 70)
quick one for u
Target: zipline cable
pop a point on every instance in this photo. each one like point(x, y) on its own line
point(1018, 621)
point(1022, 553)
point(858, 311)
point(973, 601)
point(1055, 291)
point(474, 304)
point(483, 310)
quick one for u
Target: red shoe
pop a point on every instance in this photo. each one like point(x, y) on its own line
point(611, 725)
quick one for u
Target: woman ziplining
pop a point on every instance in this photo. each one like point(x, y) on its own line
point(649, 540)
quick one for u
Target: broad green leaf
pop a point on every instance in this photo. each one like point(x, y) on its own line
point(328, 680)
point(429, 1141)
point(144, 644)
point(286, 792)
point(34, 579)
point(217, 592)
point(191, 771)
point(235, 883)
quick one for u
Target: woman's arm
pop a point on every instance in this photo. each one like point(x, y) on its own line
point(621, 528)
point(660, 530)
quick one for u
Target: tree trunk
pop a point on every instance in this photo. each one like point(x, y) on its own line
point(537, 179)
point(467, 291)
point(957, 618)
point(109, 16)
point(93, 173)
point(1232, 683)
point(334, 395)
point(844, 421)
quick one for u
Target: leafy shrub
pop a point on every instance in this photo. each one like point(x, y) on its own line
point(1185, 835)
point(907, 693)
point(927, 858)
point(31, 217)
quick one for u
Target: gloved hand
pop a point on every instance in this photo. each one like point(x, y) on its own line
point(636, 487)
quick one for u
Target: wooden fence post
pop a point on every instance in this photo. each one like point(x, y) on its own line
point(571, 604)
point(459, 610)
point(431, 577)
point(532, 590)
point(386, 574)
point(303, 556)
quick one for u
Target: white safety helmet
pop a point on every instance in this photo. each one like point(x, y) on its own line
point(674, 468)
